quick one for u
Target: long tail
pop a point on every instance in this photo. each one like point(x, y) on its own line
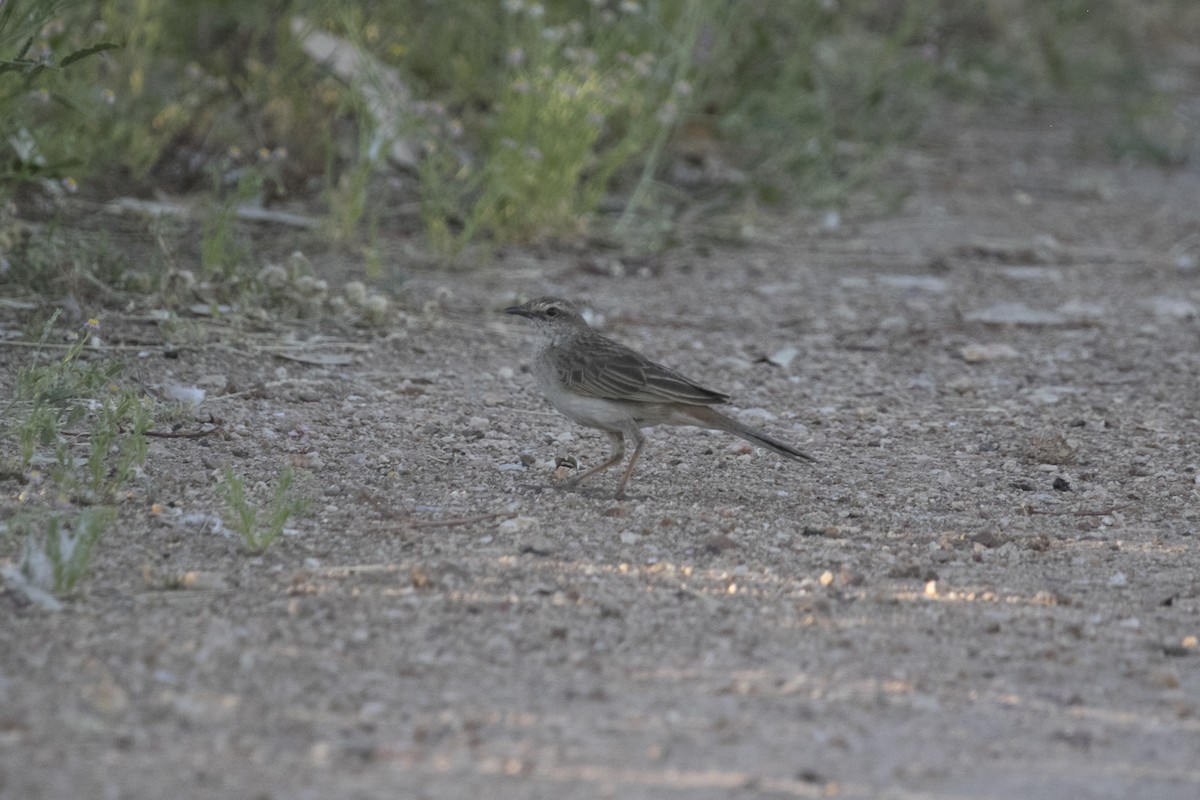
point(707, 417)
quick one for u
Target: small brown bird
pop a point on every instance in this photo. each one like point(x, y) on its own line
point(605, 385)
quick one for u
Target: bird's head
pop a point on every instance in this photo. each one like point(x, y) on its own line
point(549, 313)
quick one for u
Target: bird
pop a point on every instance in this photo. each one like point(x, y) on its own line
point(600, 383)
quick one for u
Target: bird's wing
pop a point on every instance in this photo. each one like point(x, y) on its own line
point(606, 369)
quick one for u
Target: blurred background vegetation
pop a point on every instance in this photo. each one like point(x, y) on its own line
point(444, 124)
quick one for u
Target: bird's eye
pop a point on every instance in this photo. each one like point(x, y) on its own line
point(551, 312)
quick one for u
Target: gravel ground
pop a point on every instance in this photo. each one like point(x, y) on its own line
point(986, 588)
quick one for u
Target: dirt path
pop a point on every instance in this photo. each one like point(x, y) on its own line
point(988, 588)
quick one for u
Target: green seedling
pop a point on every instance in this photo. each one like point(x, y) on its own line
point(58, 547)
point(243, 517)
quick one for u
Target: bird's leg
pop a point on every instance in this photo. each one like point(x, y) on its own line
point(637, 451)
point(618, 446)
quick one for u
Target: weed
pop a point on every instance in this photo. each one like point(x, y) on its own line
point(573, 107)
point(225, 253)
point(244, 517)
point(34, 52)
point(348, 201)
point(795, 84)
point(57, 261)
point(58, 546)
point(120, 426)
point(49, 398)
point(52, 397)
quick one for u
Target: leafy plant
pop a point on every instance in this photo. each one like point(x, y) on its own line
point(66, 392)
point(225, 252)
point(572, 108)
point(58, 546)
point(50, 397)
point(32, 56)
point(243, 517)
point(121, 424)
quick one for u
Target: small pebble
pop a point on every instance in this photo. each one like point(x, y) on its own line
point(539, 546)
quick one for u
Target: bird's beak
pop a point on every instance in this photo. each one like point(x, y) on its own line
point(520, 311)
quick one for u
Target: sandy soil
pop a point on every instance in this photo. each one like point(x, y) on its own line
point(989, 587)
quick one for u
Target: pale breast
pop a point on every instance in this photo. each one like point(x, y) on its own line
point(594, 412)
